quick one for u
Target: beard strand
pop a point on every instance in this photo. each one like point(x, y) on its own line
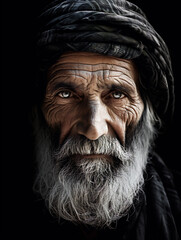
point(95, 192)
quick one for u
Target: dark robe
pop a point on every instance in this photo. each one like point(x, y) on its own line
point(155, 215)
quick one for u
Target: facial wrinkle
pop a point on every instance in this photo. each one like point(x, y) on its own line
point(91, 66)
point(93, 82)
point(79, 73)
point(126, 83)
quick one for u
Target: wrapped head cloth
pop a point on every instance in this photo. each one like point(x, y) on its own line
point(111, 27)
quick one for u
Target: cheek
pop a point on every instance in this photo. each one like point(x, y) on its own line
point(119, 128)
point(127, 112)
point(60, 116)
point(133, 114)
point(125, 116)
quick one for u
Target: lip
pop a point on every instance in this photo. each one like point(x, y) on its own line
point(93, 156)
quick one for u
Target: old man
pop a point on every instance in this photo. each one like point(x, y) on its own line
point(105, 86)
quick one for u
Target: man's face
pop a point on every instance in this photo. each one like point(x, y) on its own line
point(92, 95)
point(92, 172)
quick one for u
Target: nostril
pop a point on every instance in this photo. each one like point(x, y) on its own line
point(92, 131)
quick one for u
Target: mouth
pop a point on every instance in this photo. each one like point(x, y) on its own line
point(92, 157)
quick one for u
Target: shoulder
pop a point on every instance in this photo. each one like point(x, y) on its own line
point(163, 185)
point(171, 177)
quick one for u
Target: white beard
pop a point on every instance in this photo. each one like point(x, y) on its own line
point(93, 192)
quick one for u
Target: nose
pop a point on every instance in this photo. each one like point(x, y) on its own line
point(93, 121)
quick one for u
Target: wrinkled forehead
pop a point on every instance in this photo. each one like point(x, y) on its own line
point(92, 63)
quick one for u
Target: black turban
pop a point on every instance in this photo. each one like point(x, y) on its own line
point(112, 27)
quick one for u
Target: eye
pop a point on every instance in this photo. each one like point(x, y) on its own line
point(65, 94)
point(117, 95)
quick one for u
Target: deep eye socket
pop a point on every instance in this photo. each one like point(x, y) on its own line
point(65, 94)
point(117, 95)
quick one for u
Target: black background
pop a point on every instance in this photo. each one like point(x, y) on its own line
point(17, 74)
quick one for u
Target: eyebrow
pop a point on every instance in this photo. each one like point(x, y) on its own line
point(68, 85)
point(121, 87)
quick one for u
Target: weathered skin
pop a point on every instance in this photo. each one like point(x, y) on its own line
point(92, 95)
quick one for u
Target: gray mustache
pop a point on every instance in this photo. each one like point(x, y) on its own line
point(82, 146)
